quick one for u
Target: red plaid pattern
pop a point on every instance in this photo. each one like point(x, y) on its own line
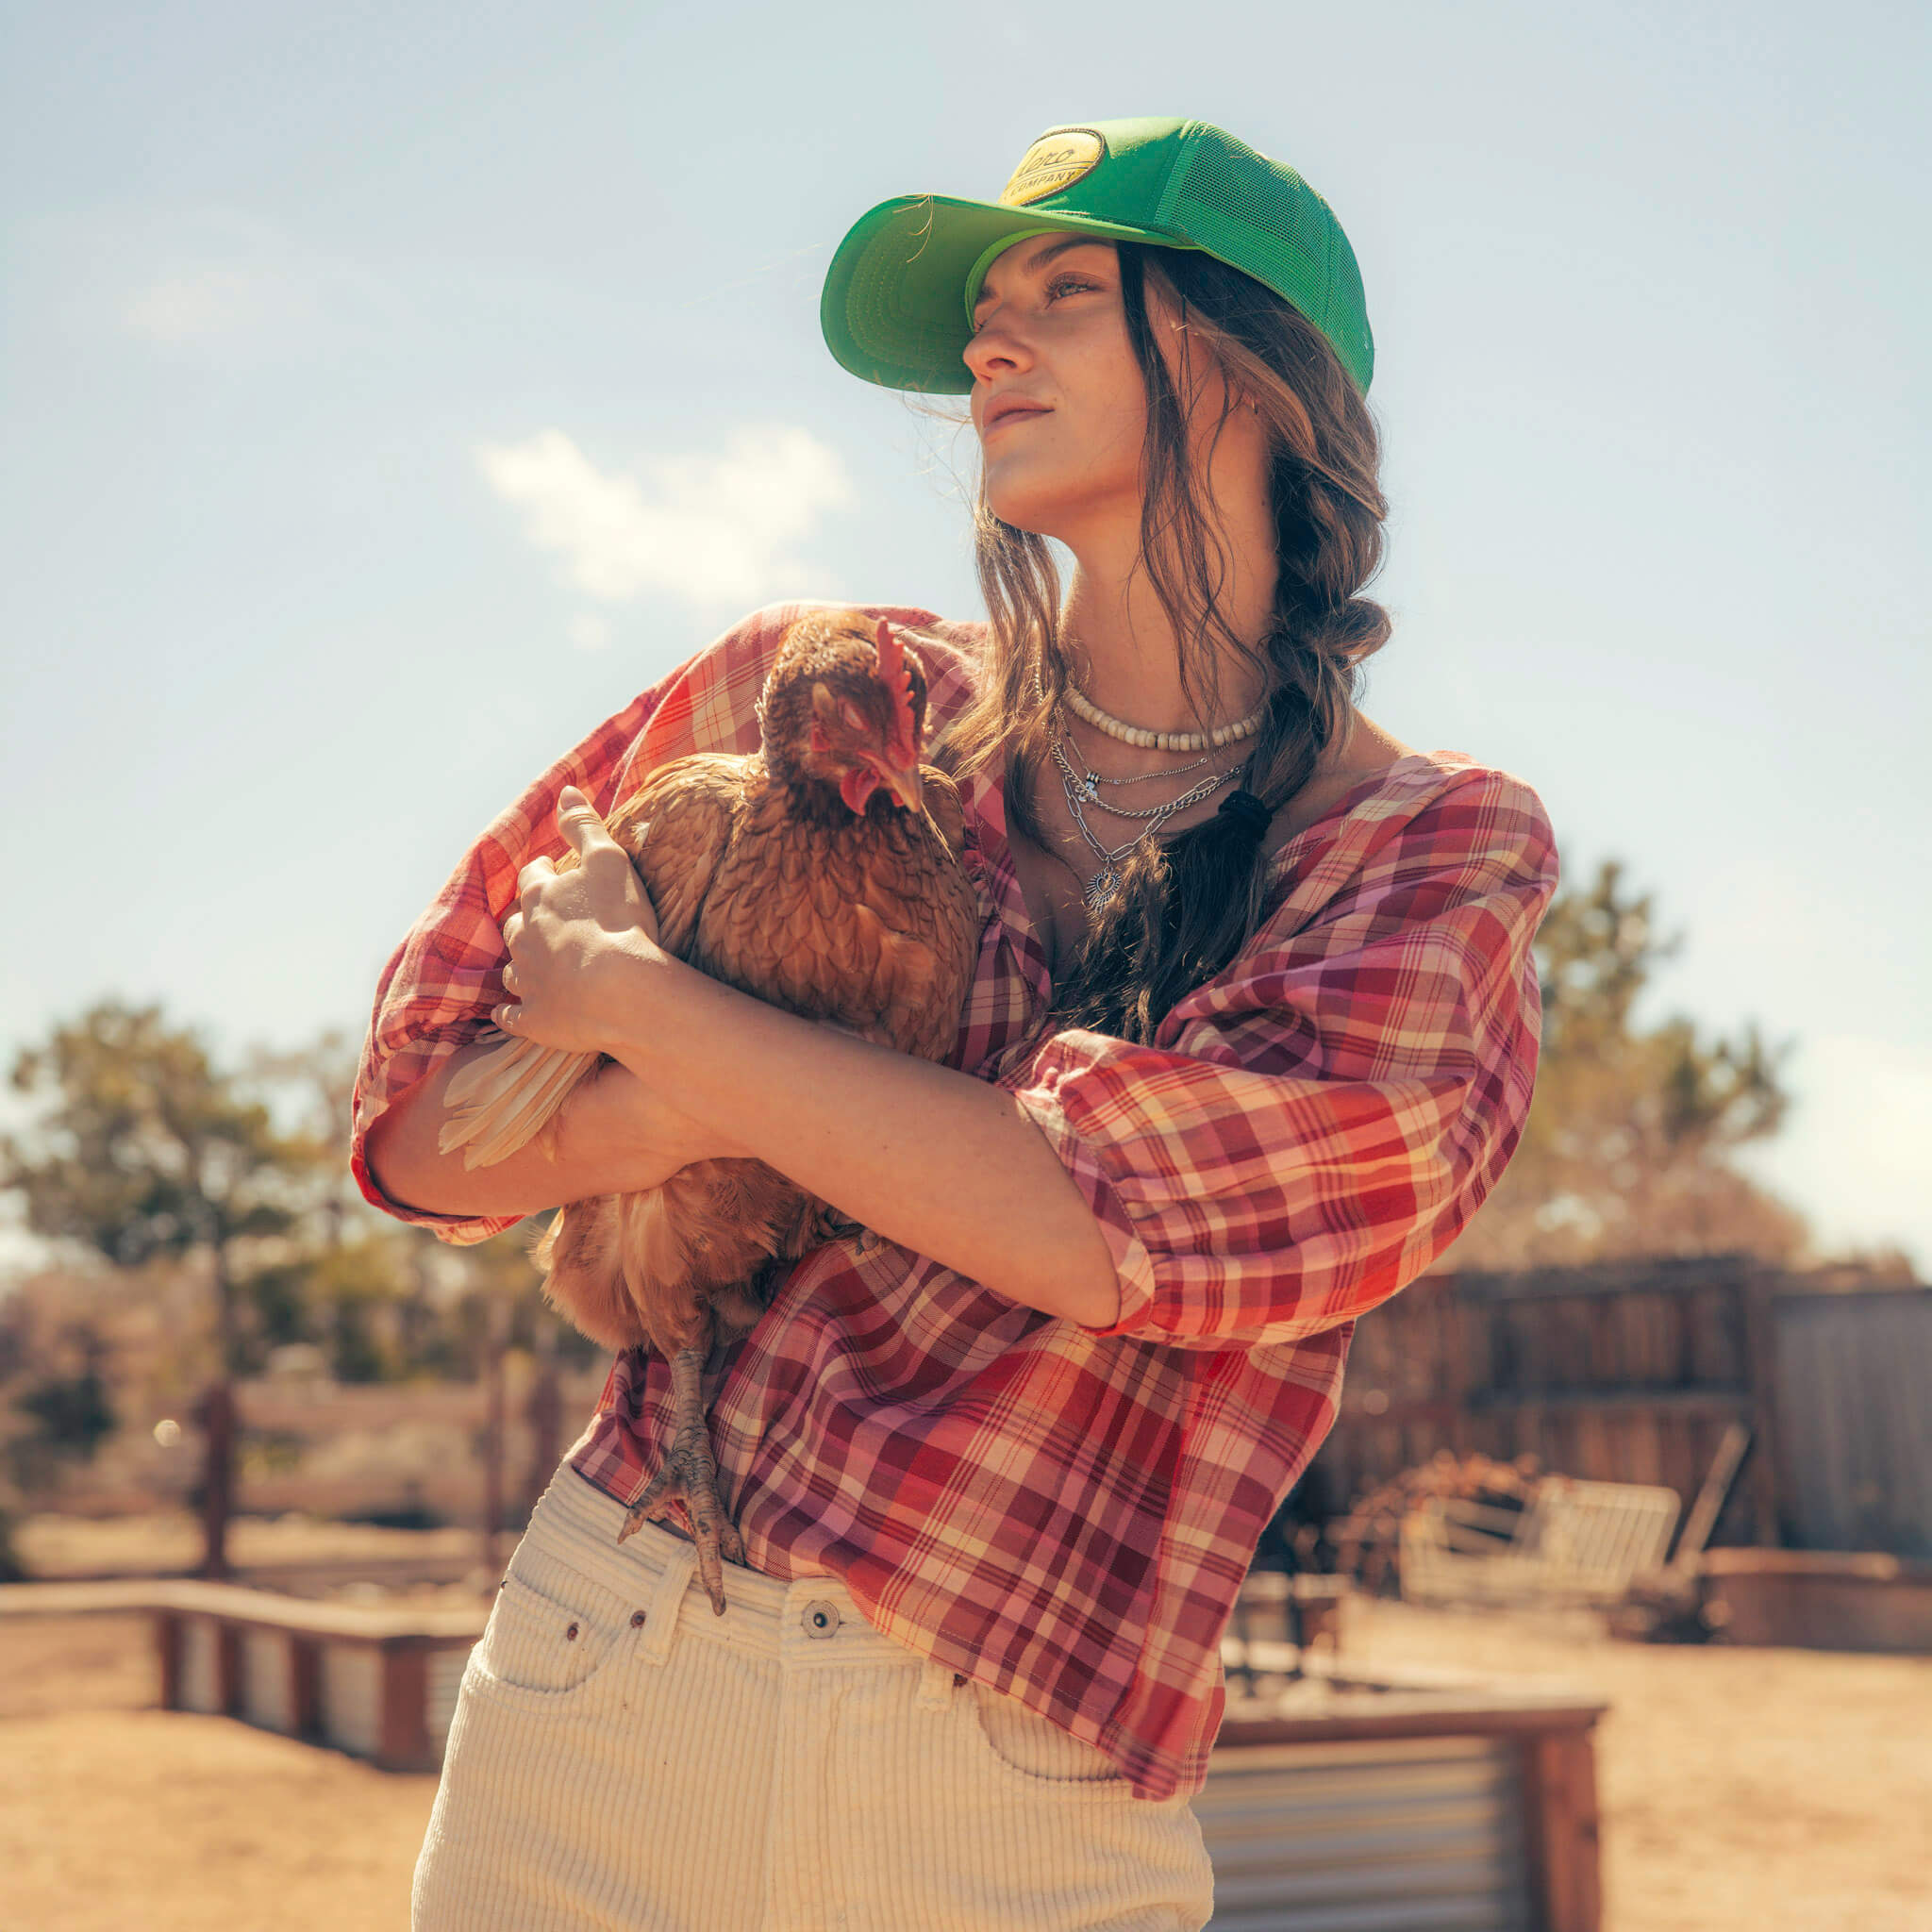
point(1066, 1513)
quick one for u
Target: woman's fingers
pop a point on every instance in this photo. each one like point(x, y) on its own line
point(569, 938)
point(577, 819)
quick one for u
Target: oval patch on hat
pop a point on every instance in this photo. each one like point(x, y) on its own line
point(1055, 162)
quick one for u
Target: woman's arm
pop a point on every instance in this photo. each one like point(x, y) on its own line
point(931, 1158)
point(612, 1136)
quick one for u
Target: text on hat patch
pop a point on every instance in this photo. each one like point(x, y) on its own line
point(1055, 162)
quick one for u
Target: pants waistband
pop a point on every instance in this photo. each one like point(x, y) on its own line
point(813, 1622)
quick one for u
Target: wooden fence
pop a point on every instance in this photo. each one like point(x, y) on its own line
point(1632, 1372)
point(1855, 1419)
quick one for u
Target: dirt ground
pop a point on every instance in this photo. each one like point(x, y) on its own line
point(1742, 1790)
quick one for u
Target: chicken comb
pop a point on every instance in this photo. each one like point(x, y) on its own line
point(896, 675)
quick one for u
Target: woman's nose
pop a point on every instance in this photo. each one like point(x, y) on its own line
point(995, 350)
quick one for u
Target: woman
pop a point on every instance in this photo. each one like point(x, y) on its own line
point(1253, 1033)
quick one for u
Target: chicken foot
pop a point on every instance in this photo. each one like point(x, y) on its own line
point(691, 1474)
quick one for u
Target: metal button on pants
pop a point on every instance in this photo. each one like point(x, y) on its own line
point(819, 1618)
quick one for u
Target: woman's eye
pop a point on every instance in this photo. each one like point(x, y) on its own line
point(1061, 285)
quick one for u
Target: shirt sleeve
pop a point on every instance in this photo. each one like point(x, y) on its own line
point(438, 989)
point(1312, 1127)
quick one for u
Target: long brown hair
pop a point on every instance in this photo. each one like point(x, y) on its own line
point(1186, 904)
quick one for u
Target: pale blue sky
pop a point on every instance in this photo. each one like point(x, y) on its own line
point(314, 318)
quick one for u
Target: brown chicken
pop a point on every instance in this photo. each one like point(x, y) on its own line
point(822, 874)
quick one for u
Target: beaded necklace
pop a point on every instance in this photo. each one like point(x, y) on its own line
point(1082, 789)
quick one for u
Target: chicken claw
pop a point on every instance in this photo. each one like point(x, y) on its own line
point(691, 1474)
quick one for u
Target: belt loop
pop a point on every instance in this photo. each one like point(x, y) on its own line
point(667, 1593)
point(935, 1685)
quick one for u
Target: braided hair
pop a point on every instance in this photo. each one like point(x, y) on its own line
point(1186, 904)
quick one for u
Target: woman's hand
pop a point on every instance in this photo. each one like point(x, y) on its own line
point(632, 1124)
point(580, 942)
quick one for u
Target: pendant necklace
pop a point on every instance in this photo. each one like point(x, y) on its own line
point(1082, 789)
point(1101, 887)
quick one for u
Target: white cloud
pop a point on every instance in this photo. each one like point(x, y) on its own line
point(193, 304)
point(712, 529)
point(215, 281)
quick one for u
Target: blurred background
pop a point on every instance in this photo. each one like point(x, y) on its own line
point(389, 395)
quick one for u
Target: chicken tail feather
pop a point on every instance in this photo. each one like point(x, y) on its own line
point(583, 1272)
point(506, 1096)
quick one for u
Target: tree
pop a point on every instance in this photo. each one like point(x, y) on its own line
point(55, 1407)
point(322, 1075)
point(1627, 1148)
point(143, 1151)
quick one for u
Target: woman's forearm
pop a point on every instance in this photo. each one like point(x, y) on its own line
point(931, 1157)
point(596, 1145)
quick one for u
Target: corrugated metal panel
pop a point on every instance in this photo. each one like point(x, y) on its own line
point(445, 1678)
point(1855, 1452)
point(267, 1681)
point(1398, 1834)
point(201, 1672)
point(352, 1697)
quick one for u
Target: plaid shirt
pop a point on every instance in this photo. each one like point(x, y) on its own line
point(1066, 1513)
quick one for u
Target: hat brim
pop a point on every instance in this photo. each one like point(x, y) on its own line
point(895, 309)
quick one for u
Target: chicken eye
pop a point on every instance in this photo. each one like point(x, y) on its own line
point(854, 716)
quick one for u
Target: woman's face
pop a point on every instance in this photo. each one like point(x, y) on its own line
point(1057, 398)
point(1061, 408)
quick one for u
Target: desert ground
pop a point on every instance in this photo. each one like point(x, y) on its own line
point(1743, 1791)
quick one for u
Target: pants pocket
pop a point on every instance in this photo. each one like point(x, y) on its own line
point(1030, 1751)
point(553, 1632)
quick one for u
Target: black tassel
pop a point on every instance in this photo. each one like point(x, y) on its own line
point(1249, 814)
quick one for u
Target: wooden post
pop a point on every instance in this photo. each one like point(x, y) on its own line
point(492, 1436)
point(215, 1413)
point(305, 1687)
point(229, 1667)
point(403, 1736)
point(1760, 1348)
point(1559, 1808)
point(168, 1639)
point(543, 1418)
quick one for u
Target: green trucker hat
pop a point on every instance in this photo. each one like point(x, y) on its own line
point(898, 303)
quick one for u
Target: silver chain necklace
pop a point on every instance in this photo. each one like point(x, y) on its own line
point(1101, 887)
point(1083, 790)
point(1090, 780)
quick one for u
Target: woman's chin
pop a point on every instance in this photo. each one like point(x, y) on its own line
point(1037, 506)
point(1054, 501)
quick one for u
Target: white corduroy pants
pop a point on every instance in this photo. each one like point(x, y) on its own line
point(623, 1756)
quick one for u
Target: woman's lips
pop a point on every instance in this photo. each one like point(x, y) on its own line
point(1010, 409)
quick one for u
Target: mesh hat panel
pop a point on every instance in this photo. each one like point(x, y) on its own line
point(1228, 200)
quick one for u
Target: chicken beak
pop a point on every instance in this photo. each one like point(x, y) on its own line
point(903, 783)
